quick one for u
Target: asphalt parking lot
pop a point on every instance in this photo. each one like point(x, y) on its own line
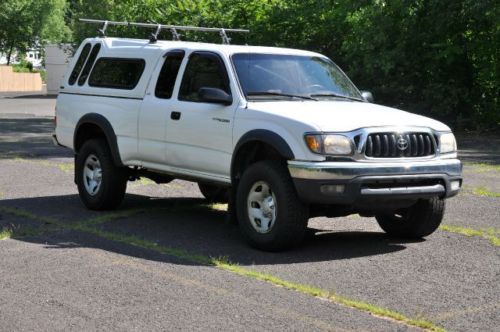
point(167, 260)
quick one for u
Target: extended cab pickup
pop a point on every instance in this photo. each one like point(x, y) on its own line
point(283, 135)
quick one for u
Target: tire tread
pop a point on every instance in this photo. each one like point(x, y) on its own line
point(115, 178)
point(292, 213)
point(425, 217)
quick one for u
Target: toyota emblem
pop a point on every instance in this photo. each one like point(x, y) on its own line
point(402, 143)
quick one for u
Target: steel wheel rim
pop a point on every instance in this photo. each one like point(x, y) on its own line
point(261, 207)
point(92, 175)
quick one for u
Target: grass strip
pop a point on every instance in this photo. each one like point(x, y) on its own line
point(483, 191)
point(104, 218)
point(142, 182)
point(483, 167)
point(489, 234)
point(144, 244)
point(224, 264)
point(218, 206)
point(5, 233)
point(16, 231)
point(26, 214)
point(317, 292)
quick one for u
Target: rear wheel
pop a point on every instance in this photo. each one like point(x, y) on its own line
point(271, 216)
point(214, 193)
point(417, 221)
point(101, 185)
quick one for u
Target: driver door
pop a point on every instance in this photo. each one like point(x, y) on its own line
point(199, 134)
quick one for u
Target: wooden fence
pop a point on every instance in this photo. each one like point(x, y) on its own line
point(11, 81)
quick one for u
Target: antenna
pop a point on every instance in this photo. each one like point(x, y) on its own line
point(158, 27)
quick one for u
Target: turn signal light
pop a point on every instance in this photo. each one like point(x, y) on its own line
point(314, 143)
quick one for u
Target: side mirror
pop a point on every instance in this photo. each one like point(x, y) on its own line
point(215, 96)
point(367, 96)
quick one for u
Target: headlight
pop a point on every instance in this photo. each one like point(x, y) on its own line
point(339, 145)
point(447, 143)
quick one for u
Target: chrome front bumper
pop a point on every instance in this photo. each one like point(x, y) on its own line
point(356, 183)
point(351, 170)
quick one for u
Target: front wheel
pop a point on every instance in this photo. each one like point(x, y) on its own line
point(417, 221)
point(271, 216)
point(101, 185)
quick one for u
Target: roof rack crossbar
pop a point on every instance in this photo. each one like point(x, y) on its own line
point(105, 24)
point(173, 29)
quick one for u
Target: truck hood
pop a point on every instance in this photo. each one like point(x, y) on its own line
point(341, 116)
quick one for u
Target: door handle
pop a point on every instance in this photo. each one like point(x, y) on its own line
point(175, 115)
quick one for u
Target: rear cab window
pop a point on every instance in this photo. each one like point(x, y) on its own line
point(168, 74)
point(89, 64)
point(117, 73)
point(79, 64)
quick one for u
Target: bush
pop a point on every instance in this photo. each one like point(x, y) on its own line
point(24, 66)
point(43, 75)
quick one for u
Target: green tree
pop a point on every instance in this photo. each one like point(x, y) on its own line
point(25, 24)
point(434, 57)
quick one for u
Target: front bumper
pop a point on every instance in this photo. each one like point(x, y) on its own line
point(359, 182)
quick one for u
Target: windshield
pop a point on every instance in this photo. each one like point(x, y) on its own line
point(277, 76)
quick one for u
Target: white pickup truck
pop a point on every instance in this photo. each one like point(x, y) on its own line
point(282, 134)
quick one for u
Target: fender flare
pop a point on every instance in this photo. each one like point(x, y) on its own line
point(265, 136)
point(103, 123)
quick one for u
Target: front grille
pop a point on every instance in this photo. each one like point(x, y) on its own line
point(399, 145)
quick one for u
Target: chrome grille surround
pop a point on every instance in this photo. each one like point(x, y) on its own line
point(359, 138)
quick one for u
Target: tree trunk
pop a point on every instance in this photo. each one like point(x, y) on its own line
point(9, 54)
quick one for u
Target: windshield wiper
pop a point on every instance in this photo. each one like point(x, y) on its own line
point(335, 95)
point(279, 94)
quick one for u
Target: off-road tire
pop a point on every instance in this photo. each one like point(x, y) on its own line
point(417, 221)
point(114, 179)
point(214, 193)
point(291, 214)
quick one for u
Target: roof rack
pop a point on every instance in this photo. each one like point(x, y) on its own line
point(159, 27)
